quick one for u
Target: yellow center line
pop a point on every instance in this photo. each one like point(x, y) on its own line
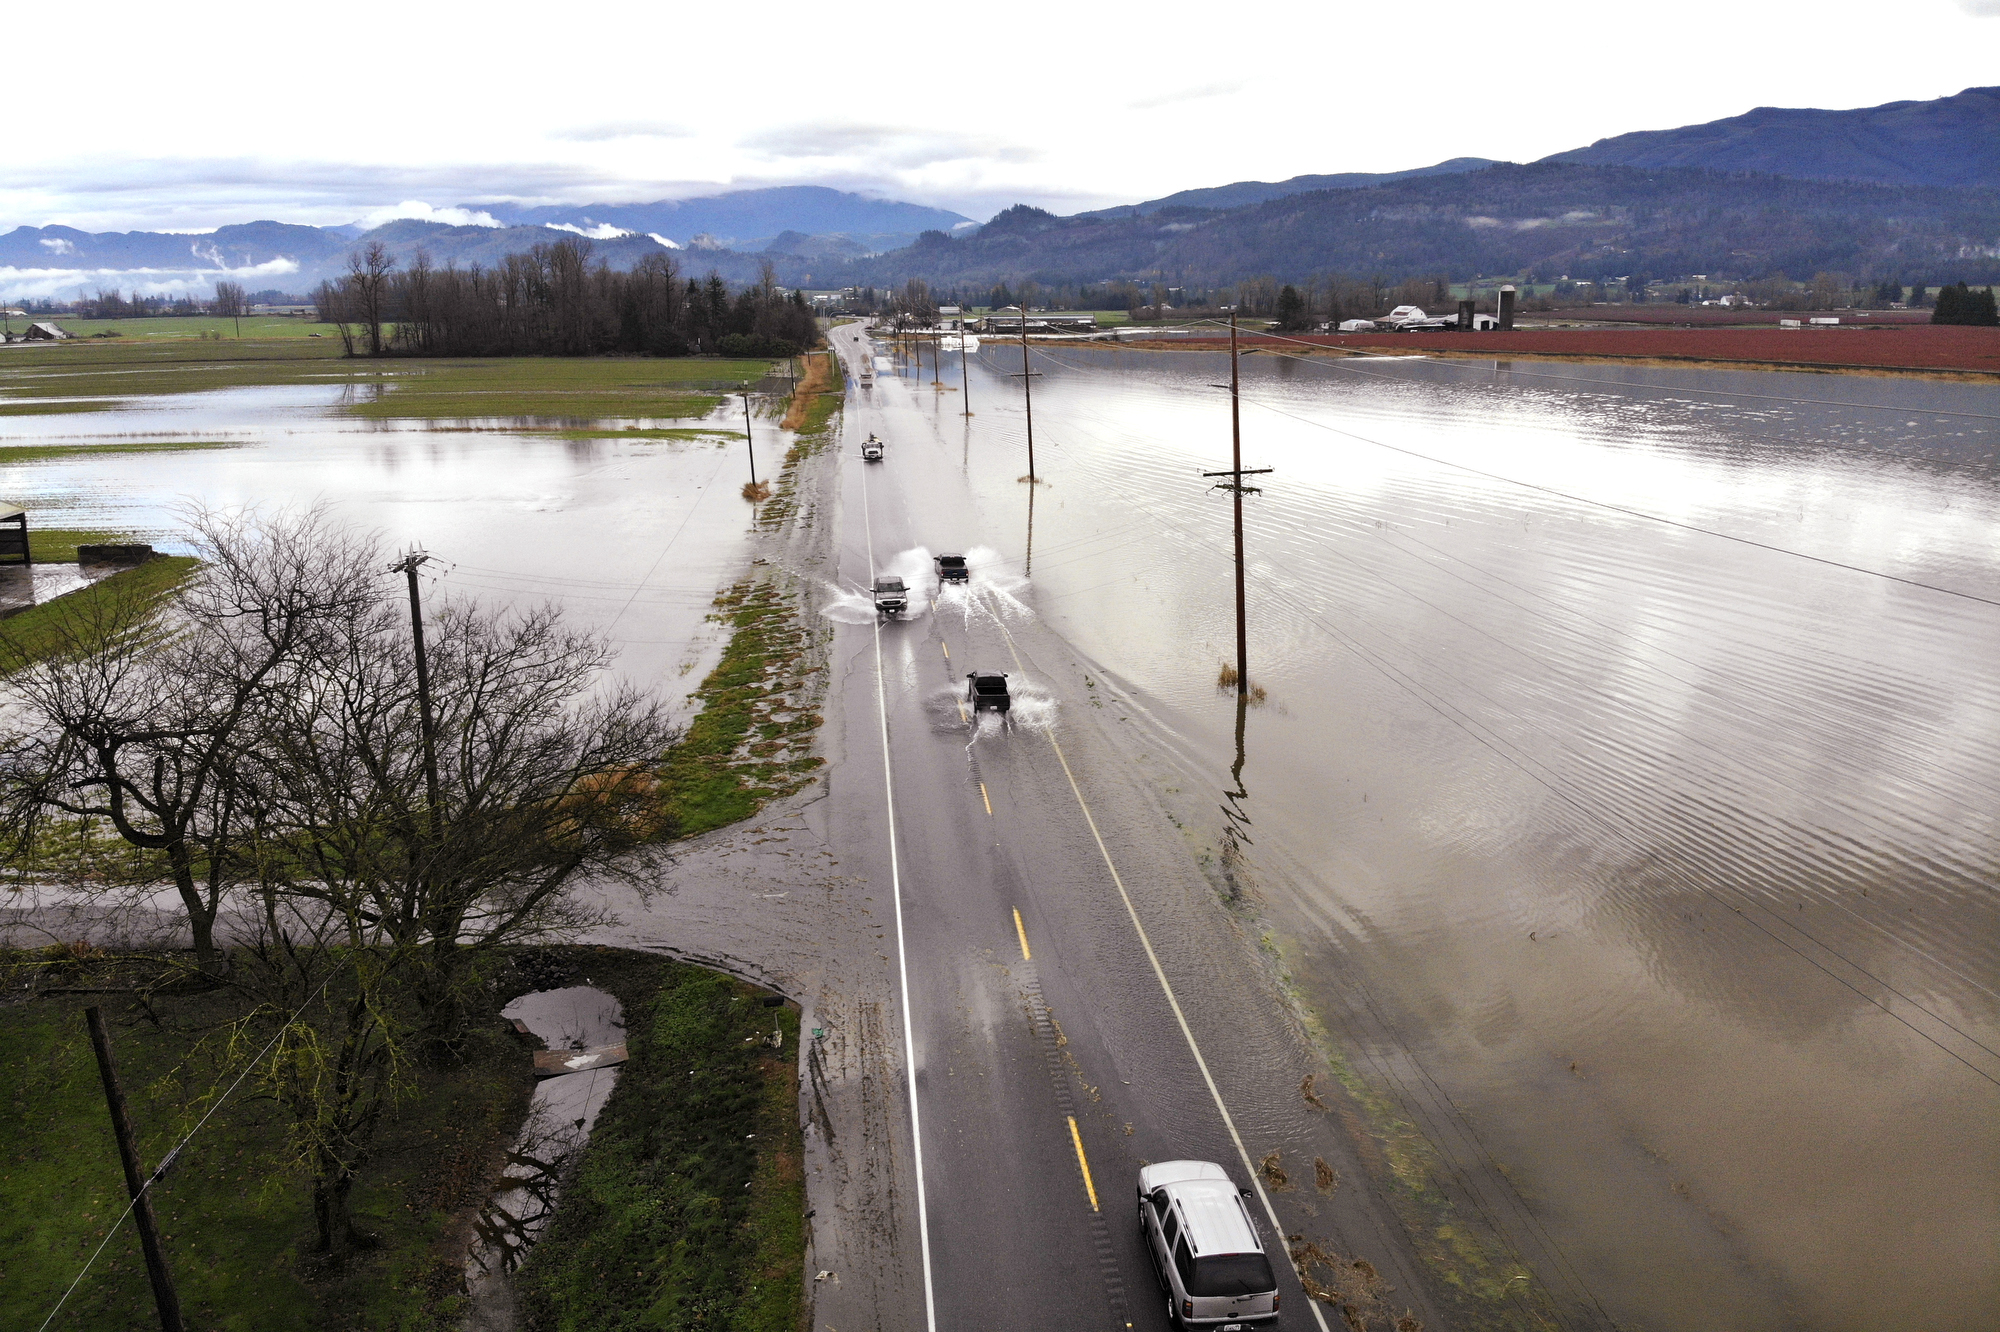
point(1083, 1162)
point(1022, 930)
point(988, 799)
point(947, 649)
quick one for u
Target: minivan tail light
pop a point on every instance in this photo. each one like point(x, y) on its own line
point(1187, 1308)
point(1275, 1297)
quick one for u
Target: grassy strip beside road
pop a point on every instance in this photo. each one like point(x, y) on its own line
point(749, 744)
point(42, 630)
point(688, 1208)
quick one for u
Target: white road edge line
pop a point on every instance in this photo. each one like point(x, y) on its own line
point(1159, 974)
point(902, 957)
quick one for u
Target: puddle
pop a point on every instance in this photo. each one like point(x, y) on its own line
point(581, 1026)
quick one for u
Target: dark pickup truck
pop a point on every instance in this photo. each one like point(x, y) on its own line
point(951, 569)
point(987, 689)
point(890, 596)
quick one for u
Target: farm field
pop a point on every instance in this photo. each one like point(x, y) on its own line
point(1931, 347)
point(194, 328)
point(94, 376)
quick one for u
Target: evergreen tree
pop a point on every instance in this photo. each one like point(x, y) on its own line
point(1291, 309)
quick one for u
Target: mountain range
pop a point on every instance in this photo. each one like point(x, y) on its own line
point(1913, 188)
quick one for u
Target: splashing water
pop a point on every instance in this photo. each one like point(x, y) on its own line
point(993, 590)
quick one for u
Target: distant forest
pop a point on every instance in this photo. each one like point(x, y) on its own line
point(553, 300)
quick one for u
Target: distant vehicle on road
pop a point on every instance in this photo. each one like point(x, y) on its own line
point(891, 597)
point(871, 449)
point(951, 569)
point(987, 689)
point(1204, 1248)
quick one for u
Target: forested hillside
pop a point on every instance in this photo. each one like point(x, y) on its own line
point(1548, 218)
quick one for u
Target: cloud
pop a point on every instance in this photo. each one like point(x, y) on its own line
point(58, 245)
point(602, 231)
point(1981, 8)
point(671, 245)
point(624, 129)
point(886, 146)
point(1196, 94)
point(423, 212)
point(35, 283)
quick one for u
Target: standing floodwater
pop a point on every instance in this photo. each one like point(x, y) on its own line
point(1626, 800)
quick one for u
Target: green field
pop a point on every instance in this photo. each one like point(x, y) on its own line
point(194, 326)
point(50, 627)
point(94, 376)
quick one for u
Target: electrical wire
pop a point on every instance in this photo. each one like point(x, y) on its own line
point(159, 1171)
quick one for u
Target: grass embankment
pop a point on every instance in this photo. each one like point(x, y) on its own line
point(237, 1228)
point(748, 745)
point(688, 1208)
point(43, 630)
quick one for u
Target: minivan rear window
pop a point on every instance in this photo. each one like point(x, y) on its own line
point(1231, 1274)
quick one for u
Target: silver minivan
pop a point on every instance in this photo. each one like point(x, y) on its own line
point(1205, 1248)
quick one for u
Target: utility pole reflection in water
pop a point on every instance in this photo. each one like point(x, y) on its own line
point(1235, 819)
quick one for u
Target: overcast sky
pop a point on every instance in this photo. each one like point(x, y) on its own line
point(144, 115)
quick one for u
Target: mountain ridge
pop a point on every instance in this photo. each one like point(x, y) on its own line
point(1949, 141)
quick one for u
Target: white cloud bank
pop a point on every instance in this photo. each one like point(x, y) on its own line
point(602, 231)
point(423, 212)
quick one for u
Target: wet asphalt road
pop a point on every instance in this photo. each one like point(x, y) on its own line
point(1016, 1030)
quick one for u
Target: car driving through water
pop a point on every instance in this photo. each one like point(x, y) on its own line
point(1205, 1248)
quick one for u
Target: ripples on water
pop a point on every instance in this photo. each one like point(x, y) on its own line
point(1706, 827)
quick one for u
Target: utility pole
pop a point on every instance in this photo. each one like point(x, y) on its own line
point(1235, 486)
point(408, 566)
point(136, 1182)
point(964, 366)
point(748, 446)
point(1027, 378)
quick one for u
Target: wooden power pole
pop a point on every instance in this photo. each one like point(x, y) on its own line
point(1237, 489)
point(749, 447)
point(408, 567)
point(136, 1182)
point(1027, 378)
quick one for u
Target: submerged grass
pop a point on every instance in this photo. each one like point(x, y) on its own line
point(1493, 1288)
point(15, 454)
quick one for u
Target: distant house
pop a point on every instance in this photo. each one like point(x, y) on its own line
point(46, 333)
point(951, 319)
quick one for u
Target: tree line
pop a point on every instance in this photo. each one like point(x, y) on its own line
point(346, 841)
point(552, 300)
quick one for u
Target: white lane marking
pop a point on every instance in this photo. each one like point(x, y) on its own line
point(902, 957)
point(1160, 974)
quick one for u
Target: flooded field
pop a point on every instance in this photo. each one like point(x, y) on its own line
point(1626, 794)
point(633, 536)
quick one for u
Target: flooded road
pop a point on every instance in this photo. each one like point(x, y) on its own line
point(1624, 798)
point(632, 536)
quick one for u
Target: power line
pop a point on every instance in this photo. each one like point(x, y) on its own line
point(167, 1161)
